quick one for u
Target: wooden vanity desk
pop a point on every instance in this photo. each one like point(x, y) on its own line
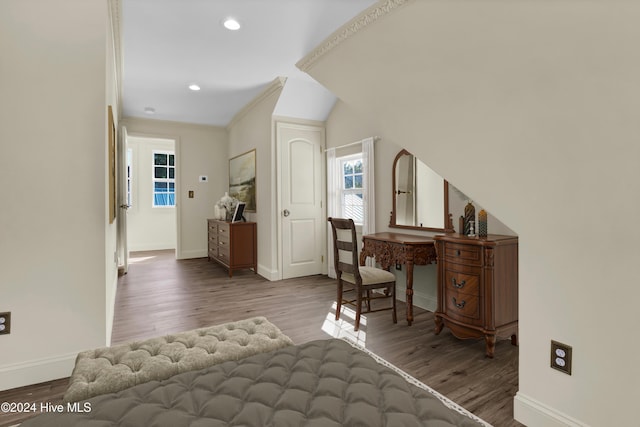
point(390, 249)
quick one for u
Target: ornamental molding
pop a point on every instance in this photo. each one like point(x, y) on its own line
point(366, 18)
point(115, 13)
point(275, 85)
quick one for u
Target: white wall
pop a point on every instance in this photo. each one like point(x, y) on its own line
point(305, 100)
point(111, 231)
point(54, 226)
point(148, 228)
point(252, 129)
point(200, 150)
point(530, 108)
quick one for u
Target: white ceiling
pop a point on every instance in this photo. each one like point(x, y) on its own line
point(169, 44)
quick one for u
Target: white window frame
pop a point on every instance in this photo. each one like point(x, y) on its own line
point(346, 191)
point(167, 180)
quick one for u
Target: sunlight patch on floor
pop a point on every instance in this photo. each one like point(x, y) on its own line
point(343, 328)
point(133, 260)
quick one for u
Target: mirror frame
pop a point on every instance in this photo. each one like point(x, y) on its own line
point(448, 221)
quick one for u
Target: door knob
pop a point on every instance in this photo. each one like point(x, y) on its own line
point(125, 206)
point(286, 212)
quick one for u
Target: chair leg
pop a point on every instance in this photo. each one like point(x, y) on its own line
point(358, 309)
point(339, 300)
point(368, 300)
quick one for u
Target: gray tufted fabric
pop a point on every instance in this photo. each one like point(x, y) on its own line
point(110, 369)
point(325, 383)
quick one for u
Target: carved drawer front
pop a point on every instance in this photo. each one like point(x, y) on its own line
point(460, 253)
point(463, 307)
point(461, 282)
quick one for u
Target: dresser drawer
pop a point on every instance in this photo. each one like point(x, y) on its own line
point(463, 307)
point(223, 229)
point(223, 246)
point(462, 282)
point(213, 252)
point(465, 254)
point(223, 254)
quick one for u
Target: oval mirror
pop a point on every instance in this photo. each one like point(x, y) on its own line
point(420, 196)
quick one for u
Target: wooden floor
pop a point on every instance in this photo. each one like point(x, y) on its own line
point(161, 295)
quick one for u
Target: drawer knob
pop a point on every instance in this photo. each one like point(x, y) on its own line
point(460, 304)
point(458, 285)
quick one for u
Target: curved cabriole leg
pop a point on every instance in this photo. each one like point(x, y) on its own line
point(439, 325)
point(490, 340)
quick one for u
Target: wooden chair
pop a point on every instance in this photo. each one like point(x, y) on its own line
point(361, 279)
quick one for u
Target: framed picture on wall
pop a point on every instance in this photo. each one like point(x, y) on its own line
point(242, 179)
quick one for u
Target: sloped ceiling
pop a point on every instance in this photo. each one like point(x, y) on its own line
point(169, 44)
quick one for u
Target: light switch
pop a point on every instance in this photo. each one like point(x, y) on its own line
point(191, 194)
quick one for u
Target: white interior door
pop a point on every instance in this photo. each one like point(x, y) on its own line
point(301, 214)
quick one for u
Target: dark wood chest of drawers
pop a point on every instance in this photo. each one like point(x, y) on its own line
point(234, 245)
point(478, 287)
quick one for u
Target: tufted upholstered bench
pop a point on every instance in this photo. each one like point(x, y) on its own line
point(111, 369)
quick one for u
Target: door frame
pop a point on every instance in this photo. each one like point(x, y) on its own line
point(178, 179)
point(323, 186)
point(121, 241)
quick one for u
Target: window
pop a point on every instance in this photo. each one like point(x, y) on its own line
point(164, 179)
point(351, 197)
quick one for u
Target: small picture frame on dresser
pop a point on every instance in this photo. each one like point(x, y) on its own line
point(237, 215)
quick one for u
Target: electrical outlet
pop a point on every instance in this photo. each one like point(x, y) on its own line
point(561, 357)
point(5, 323)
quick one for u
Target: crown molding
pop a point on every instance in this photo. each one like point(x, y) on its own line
point(115, 9)
point(276, 84)
point(363, 20)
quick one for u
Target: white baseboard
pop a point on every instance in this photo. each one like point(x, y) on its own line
point(531, 412)
point(271, 275)
point(152, 247)
point(36, 371)
point(197, 253)
point(426, 302)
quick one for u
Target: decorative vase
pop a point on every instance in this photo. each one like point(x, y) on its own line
point(469, 216)
point(482, 223)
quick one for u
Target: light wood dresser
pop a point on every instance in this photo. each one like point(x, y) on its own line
point(478, 287)
point(234, 245)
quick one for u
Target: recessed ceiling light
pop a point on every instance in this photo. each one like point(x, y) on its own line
point(194, 86)
point(231, 24)
point(149, 110)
